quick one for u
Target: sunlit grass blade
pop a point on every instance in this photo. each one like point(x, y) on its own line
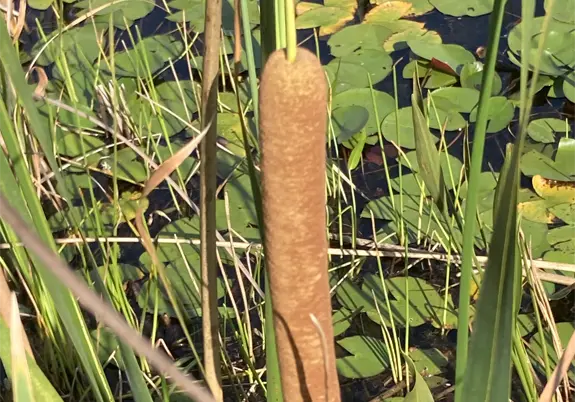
point(21, 382)
point(66, 306)
point(42, 388)
point(488, 372)
point(495, 25)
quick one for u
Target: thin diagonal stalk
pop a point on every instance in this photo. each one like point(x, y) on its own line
point(208, 168)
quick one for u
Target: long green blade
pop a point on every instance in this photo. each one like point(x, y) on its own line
point(488, 373)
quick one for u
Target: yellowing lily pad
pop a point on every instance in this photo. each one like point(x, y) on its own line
point(387, 11)
point(560, 191)
point(536, 211)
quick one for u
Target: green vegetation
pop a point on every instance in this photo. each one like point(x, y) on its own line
point(450, 196)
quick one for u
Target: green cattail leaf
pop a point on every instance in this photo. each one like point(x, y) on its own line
point(488, 372)
point(427, 154)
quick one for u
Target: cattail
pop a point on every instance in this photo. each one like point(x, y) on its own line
point(293, 122)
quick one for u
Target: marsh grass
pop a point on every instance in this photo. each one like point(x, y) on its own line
point(67, 355)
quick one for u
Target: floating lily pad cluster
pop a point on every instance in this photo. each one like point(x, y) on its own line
point(403, 300)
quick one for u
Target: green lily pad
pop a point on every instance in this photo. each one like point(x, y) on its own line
point(561, 234)
point(130, 166)
point(75, 145)
point(448, 121)
point(533, 163)
point(399, 128)
point(569, 87)
point(426, 302)
point(500, 114)
point(148, 55)
point(369, 357)
point(557, 55)
point(565, 155)
point(556, 90)
point(178, 99)
point(79, 45)
point(487, 184)
point(544, 130)
point(193, 12)
point(348, 121)
point(242, 213)
point(461, 100)
point(457, 8)
point(384, 104)
point(356, 69)
point(451, 167)
point(362, 36)
point(535, 350)
point(565, 212)
point(184, 228)
point(428, 361)
point(472, 75)
point(563, 10)
point(183, 276)
point(120, 11)
point(399, 40)
point(341, 321)
point(435, 78)
point(420, 218)
point(320, 17)
point(107, 347)
point(454, 56)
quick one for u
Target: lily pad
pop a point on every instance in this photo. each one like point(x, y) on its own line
point(451, 167)
point(544, 130)
point(535, 350)
point(454, 56)
point(428, 361)
point(121, 14)
point(321, 16)
point(193, 11)
point(561, 234)
point(75, 145)
point(472, 75)
point(357, 69)
point(558, 57)
point(178, 101)
point(341, 321)
point(79, 45)
point(461, 100)
point(569, 87)
point(147, 56)
point(500, 114)
point(384, 104)
point(387, 11)
point(554, 190)
point(563, 10)
point(435, 78)
point(459, 8)
point(369, 357)
point(399, 40)
point(242, 213)
point(399, 128)
point(361, 36)
point(533, 163)
point(348, 121)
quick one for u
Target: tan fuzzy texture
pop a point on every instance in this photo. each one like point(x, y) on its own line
point(293, 123)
